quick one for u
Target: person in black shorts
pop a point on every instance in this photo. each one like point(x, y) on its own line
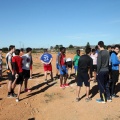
point(69, 65)
point(9, 56)
point(18, 72)
point(84, 65)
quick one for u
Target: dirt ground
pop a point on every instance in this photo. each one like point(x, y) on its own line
point(50, 102)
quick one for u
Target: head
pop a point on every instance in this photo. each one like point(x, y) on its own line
point(100, 45)
point(12, 48)
point(112, 48)
point(117, 48)
point(17, 52)
point(78, 52)
point(93, 51)
point(62, 50)
point(29, 50)
point(88, 51)
point(109, 48)
point(21, 50)
point(45, 50)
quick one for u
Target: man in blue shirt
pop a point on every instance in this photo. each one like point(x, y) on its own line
point(46, 59)
point(115, 70)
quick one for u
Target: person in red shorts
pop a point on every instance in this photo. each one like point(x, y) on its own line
point(46, 59)
point(17, 72)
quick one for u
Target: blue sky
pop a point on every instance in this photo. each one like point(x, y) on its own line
point(45, 23)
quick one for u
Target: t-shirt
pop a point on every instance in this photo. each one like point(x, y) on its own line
point(8, 59)
point(27, 61)
point(76, 59)
point(94, 57)
point(17, 61)
point(46, 57)
point(63, 60)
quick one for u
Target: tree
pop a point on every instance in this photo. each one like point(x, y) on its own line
point(51, 47)
point(71, 46)
point(87, 45)
point(56, 47)
point(5, 49)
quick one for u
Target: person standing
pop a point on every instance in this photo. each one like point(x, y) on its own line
point(17, 72)
point(27, 61)
point(115, 70)
point(46, 59)
point(94, 56)
point(84, 65)
point(75, 61)
point(103, 74)
point(10, 73)
point(63, 68)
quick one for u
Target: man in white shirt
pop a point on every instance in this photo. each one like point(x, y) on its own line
point(27, 62)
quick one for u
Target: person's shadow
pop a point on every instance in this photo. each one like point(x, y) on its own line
point(40, 91)
point(94, 91)
point(31, 119)
point(37, 75)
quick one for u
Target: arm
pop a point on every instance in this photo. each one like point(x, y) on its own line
point(59, 57)
point(98, 62)
point(91, 68)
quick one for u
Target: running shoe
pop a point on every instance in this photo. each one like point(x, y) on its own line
point(88, 99)
point(27, 90)
point(62, 86)
point(14, 95)
point(100, 101)
point(17, 100)
point(115, 96)
point(66, 85)
point(77, 99)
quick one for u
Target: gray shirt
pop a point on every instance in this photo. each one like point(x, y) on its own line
point(103, 61)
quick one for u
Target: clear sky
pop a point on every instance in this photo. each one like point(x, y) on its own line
point(45, 23)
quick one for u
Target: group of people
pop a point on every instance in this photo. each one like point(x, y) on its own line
point(18, 70)
point(99, 65)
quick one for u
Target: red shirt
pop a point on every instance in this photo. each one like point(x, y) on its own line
point(62, 59)
point(18, 63)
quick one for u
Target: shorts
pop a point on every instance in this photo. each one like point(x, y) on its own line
point(57, 66)
point(48, 67)
point(76, 68)
point(69, 64)
point(63, 71)
point(83, 77)
point(94, 67)
point(26, 74)
point(19, 79)
point(10, 76)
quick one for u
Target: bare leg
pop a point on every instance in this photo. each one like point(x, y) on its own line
point(61, 79)
point(30, 73)
point(19, 90)
point(45, 75)
point(9, 86)
point(51, 74)
point(78, 92)
point(65, 78)
point(26, 82)
point(87, 92)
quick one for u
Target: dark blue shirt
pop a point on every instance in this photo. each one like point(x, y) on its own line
point(46, 57)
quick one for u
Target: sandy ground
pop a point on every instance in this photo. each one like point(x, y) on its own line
point(50, 102)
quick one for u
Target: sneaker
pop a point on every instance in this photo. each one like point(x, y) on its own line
point(77, 99)
point(115, 96)
point(109, 100)
point(45, 80)
point(17, 100)
point(14, 95)
point(88, 99)
point(100, 101)
point(30, 78)
point(62, 86)
point(27, 90)
point(9, 96)
point(66, 85)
